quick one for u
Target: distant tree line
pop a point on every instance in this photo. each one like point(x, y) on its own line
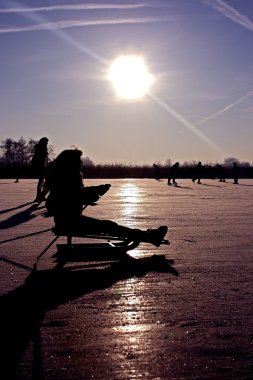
point(16, 156)
point(186, 170)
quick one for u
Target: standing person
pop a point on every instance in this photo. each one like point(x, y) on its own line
point(157, 172)
point(172, 174)
point(16, 172)
point(68, 196)
point(198, 173)
point(235, 173)
point(39, 166)
point(220, 173)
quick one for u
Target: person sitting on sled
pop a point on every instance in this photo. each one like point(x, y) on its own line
point(68, 197)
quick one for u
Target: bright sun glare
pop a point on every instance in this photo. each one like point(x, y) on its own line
point(130, 77)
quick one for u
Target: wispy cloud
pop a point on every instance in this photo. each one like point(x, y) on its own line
point(71, 7)
point(225, 109)
point(63, 24)
point(230, 12)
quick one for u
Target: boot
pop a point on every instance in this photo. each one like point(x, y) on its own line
point(156, 236)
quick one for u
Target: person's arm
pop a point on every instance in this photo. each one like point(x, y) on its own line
point(91, 194)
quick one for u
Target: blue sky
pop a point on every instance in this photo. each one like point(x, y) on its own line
point(54, 60)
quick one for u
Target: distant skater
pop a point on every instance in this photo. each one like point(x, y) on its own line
point(220, 173)
point(235, 173)
point(172, 174)
point(198, 173)
point(16, 172)
point(157, 172)
point(39, 166)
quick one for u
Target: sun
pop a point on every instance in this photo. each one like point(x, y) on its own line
point(130, 76)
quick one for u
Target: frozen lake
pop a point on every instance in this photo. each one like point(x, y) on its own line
point(121, 324)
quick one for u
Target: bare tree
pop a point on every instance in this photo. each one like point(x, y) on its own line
point(229, 161)
point(8, 151)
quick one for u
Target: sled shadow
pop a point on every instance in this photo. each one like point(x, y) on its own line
point(16, 264)
point(20, 217)
point(23, 309)
point(15, 208)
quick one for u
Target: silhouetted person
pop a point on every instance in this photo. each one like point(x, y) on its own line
point(220, 173)
point(67, 197)
point(235, 172)
point(198, 173)
point(172, 174)
point(157, 172)
point(16, 172)
point(39, 166)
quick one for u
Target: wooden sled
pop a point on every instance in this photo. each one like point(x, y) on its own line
point(111, 250)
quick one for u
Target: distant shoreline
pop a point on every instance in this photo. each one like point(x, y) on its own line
point(119, 171)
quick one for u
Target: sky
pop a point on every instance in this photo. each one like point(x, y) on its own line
point(55, 57)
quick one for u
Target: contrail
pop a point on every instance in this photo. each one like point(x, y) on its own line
point(72, 7)
point(230, 12)
point(186, 123)
point(225, 109)
point(78, 23)
point(58, 26)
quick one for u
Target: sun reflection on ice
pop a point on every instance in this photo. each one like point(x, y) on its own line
point(129, 195)
point(133, 328)
point(132, 315)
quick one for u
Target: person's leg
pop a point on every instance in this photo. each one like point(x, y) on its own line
point(38, 191)
point(89, 225)
point(40, 196)
point(41, 190)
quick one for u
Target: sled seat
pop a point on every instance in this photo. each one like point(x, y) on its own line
point(121, 241)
